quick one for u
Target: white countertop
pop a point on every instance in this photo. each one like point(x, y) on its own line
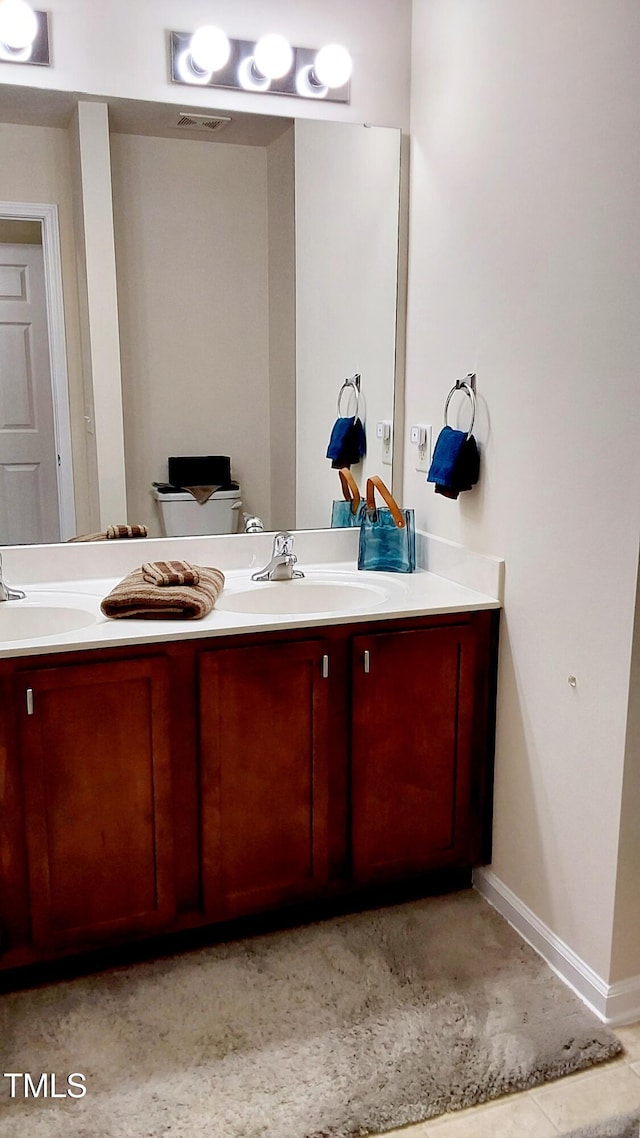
point(387, 596)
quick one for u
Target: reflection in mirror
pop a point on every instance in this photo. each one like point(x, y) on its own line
point(204, 256)
point(36, 484)
point(256, 269)
point(346, 232)
point(28, 483)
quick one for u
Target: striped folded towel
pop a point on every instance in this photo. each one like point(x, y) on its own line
point(170, 573)
point(157, 592)
point(126, 531)
point(113, 532)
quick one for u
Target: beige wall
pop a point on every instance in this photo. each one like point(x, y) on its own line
point(99, 318)
point(282, 329)
point(524, 267)
point(35, 166)
point(191, 250)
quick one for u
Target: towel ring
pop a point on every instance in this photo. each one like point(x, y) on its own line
point(352, 384)
point(469, 389)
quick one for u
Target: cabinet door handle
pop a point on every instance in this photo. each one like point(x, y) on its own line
point(325, 667)
point(366, 661)
point(29, 701)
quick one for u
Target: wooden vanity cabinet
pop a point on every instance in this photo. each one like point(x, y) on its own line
point(171, 786)
point(97, 800)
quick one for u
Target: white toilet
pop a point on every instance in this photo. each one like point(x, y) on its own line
point(182, 516)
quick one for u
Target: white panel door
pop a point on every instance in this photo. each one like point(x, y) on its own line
point(28, 456)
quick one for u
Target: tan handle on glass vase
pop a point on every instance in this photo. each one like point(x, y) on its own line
point(349, 488)
point(376, 483)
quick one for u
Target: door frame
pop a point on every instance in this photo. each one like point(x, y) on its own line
point(47, 215)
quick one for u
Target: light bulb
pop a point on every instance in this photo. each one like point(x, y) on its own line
point(333, 65)
point(18, 24)
point(307, 84)
point(273, 56)
point(210, 48)
point(250, 78)
point(187, 70)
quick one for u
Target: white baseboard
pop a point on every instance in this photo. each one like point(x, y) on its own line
point(615, 1004)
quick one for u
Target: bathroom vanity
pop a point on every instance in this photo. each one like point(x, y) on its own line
point(156, 778)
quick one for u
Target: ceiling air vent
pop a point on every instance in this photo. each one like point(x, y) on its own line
point(188, 121)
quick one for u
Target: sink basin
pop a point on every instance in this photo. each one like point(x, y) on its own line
point(295, 598)
point(20, 620)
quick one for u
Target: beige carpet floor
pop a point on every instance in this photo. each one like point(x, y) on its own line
point(346, 1027)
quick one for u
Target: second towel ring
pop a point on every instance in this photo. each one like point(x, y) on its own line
point(468, 386)
point(352, 384)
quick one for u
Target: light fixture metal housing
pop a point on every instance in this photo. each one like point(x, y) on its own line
point(38, 52)
point(239, 64)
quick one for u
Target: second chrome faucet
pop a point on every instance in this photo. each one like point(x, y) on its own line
point(283, 560)
point(6, 592)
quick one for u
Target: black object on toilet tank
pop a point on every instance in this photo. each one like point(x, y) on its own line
point(200, 470)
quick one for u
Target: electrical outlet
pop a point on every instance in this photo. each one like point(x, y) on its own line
point(385, 434)
point(421, 435)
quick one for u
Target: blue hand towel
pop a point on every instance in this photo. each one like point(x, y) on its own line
point(347, 444)
point(456, 463)
point(338, 435)
point(445, 455)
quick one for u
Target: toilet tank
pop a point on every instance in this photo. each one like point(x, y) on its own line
point(182, 516)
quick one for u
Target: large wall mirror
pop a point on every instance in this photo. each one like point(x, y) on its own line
point(256, 269)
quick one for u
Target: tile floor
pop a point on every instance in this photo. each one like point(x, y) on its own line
point(552, 1109)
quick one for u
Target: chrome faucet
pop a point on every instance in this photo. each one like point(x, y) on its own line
point(6, 593)
point(252, 523)
point(283, 559)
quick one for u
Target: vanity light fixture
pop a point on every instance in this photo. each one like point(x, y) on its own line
point(24, 33)
point(209, 58)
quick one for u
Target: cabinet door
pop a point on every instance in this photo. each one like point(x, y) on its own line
point(413, 701)
point(263, 722)
point(97, 800)
point(14, 907)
